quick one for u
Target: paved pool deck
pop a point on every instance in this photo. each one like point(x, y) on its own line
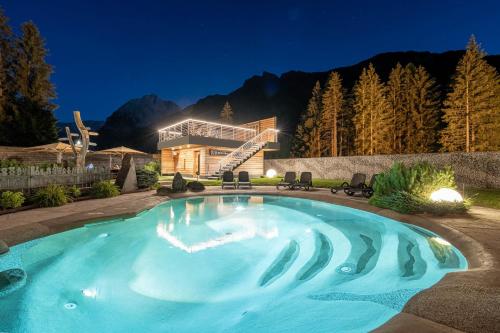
point(466, 301)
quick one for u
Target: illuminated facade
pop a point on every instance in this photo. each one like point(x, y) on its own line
point(196, 147)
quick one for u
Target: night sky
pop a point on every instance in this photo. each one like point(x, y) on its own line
point(107, 52)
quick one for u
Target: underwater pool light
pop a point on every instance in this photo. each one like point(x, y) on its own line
point(90, 292)
point(70, 306)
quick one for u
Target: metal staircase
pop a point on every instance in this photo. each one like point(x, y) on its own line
point(246, 151)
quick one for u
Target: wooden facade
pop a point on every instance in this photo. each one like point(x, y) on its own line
point(203, 160)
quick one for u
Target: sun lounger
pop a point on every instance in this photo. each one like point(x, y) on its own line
point(288, 181)
point(244, 179)
point(228, 179)
point(357, 183)
point(305, 181)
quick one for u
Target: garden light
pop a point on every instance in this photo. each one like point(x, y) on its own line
point(271, 173)
point(446, 194)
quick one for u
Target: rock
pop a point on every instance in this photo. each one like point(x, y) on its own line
point(11, 280)
point(126, 180)
point(179, 183)
point(4, 248)
point(195, 186)
point(164, 191)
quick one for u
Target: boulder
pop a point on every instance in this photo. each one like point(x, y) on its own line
point(164, 191)
point(195, 186)
point(126, 180)
point(179, 183)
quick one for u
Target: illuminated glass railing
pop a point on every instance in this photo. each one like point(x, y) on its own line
point(193, 127)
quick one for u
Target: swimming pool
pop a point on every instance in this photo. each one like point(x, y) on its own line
point(237, 263)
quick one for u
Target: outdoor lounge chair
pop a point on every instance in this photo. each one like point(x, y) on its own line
point(304, 182)
point(357, 184)
point(368, 190)
point(288, 181)
point(228, 179)
point(244, 179)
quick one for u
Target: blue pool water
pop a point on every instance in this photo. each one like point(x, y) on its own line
point(225, 264)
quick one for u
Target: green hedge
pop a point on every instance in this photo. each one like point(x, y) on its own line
point(104, 189)
point(9, 200)
point(408, 189)
point(51, 196)
point(146, 178)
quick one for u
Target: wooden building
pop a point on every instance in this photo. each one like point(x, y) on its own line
point(205, 149)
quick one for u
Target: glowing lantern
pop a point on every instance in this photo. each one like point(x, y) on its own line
point(446, 194)
point(271, 173)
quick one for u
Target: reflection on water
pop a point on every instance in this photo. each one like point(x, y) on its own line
point(232, 264)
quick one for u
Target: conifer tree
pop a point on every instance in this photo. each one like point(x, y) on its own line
point(298, 146)
point(345, 128)
point(312, 123)
point(331, 115)
point(422, 124)
point(33, 118)
point(372, 114)
point(226, 114)
point(396, 90)
point(6, 82)
point(472, 108)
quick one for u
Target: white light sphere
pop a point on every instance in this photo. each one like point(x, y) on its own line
point(271, 173)
point(446, 194)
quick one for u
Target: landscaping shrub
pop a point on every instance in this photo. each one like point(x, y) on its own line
point(146, 178)
point(178, 183)
point(408, 189)
point(10, 200)
point(104, 189)
point(73, 191)
point(10, 163)
point(153, 166)
point(51, 196)
point(195, 186)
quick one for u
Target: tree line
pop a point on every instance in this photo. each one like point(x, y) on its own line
point(405, 115)
point(26, 92)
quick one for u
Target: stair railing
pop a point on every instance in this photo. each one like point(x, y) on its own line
point(241, 153)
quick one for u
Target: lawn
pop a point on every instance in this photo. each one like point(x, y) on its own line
point(484, 197)
point(263, 181)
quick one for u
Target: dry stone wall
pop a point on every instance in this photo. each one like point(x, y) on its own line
point(471, 169)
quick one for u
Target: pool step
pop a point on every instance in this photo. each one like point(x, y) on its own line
point(281, 264)
point(320, 259)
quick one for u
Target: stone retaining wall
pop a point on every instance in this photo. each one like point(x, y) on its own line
point(471, 169)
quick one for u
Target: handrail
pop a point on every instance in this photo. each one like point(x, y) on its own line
point(203, 128)
point(268, 135)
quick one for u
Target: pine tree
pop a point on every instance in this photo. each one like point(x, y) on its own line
point(472, 108)
point(345, 128)
point(331, 115)
point(6, 82)
point(226, 114)
point(424, 119)
point(396, 90)
point(372, 114)
point(298, 146)
point(33, 121)
point(31, 70)
point(312, 123)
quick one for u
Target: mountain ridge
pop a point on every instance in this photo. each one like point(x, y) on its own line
point(283, 95)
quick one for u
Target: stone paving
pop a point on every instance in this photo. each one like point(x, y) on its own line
point(466, 301)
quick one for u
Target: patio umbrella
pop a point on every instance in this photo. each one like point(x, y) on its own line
point(56, 147)
point(120, 151)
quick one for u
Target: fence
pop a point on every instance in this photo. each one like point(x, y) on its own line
point(28, 178)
